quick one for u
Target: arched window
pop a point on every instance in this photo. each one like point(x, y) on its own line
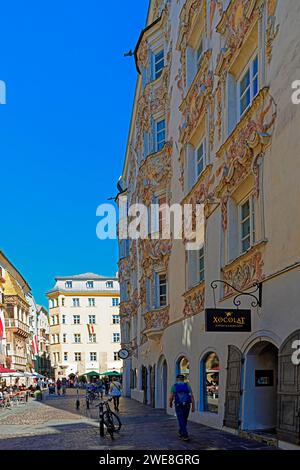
point(210, 369)
point(183, 367)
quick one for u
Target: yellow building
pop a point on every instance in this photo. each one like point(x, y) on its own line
point(213, 123)
point(84, 324)
point(17, 350)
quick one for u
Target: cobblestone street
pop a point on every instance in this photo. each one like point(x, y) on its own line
point(55, 424)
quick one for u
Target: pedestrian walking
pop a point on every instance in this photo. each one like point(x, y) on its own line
point(115, 391)
point(58, 386)
point(182, 395)
point(64, 385)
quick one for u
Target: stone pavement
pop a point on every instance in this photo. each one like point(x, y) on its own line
point(55, 424)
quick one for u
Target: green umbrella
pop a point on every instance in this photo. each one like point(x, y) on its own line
point(91, 374)
point(111, 373)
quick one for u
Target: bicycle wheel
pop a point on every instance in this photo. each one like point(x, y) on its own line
point(112, 421)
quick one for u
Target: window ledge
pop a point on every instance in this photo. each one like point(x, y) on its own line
point(241, 256)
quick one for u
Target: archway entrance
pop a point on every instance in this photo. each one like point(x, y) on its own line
point(183, 367)
point(260, 387)
point(152, 386)
point(162, 386)
point(144, 383)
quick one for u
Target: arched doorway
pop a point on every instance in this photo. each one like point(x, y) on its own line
point(209, 386)
point(152, 386)
point(260, 387)
point(144, 377)
point(183, 367)
point(162, 385)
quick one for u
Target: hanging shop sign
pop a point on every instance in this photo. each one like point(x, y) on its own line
point(226, 319)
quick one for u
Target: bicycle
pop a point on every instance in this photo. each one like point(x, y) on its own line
point(108, 418)
point(91, 395)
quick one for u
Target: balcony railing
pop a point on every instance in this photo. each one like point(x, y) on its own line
point(18, 360)
point(17, 324)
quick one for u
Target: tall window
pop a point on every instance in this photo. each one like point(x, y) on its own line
point(199, 53)
point(116, 356)
point(76, 303)
point(160, 134)
point(115, 302)
point(76, 319)
point(116, 319)
point(92, 338)
point(210, 375)
point(92, 319)
point(247, 224)
point(158, 63)
point(77, 356)
point(64, 337)
point(65, 356)
point(92, 302)
point(201, 264)
point(162, 280)
point(116, 337)
point(69, 284)
point(90, 284)
point(93, 356)
point(63, 319)
point(63, 302)
point(200, 159)
point(77, 338)
point(248, 86)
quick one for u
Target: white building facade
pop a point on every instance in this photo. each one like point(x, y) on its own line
point(213, 123)
point(84, 324)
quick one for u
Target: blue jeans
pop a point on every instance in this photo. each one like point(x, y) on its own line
point(182, 412)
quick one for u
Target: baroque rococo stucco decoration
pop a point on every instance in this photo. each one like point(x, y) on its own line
point(241, 153)
point(188, 16)
point(157, 319)
point(245, 272)
point(155, 174)
point(194, 301)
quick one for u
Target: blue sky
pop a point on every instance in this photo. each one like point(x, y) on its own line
point(63, 130)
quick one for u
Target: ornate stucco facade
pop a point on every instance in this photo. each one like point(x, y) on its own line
point(223, 98)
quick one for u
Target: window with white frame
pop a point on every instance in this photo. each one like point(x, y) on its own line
point(64, 337)
point(247, 224)
point(195, 267)
point(68, 284)
point(92, 302)
point(200, 158)
point(162, 289)
point(116, 356)
point(65, 356)
point(201, 270)
point(90, 284)
point(116, 319)
point(93, 356)
point(77, 338)
point(77, 356)
point(115, 302)
point(159, 62)
point(76, 303)
point(116, 337)
point(63, 319)
point(92, 319)
point(92, 338)
point(109, 284)
point(248, 86)
point(76, 319)
point(160, 134)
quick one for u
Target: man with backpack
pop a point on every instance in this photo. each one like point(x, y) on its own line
point(182, 395)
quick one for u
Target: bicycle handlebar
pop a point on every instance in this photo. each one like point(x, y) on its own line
point(103, 402)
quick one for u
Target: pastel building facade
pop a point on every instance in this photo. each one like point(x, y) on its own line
point(84, 324)
point(213, 123)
